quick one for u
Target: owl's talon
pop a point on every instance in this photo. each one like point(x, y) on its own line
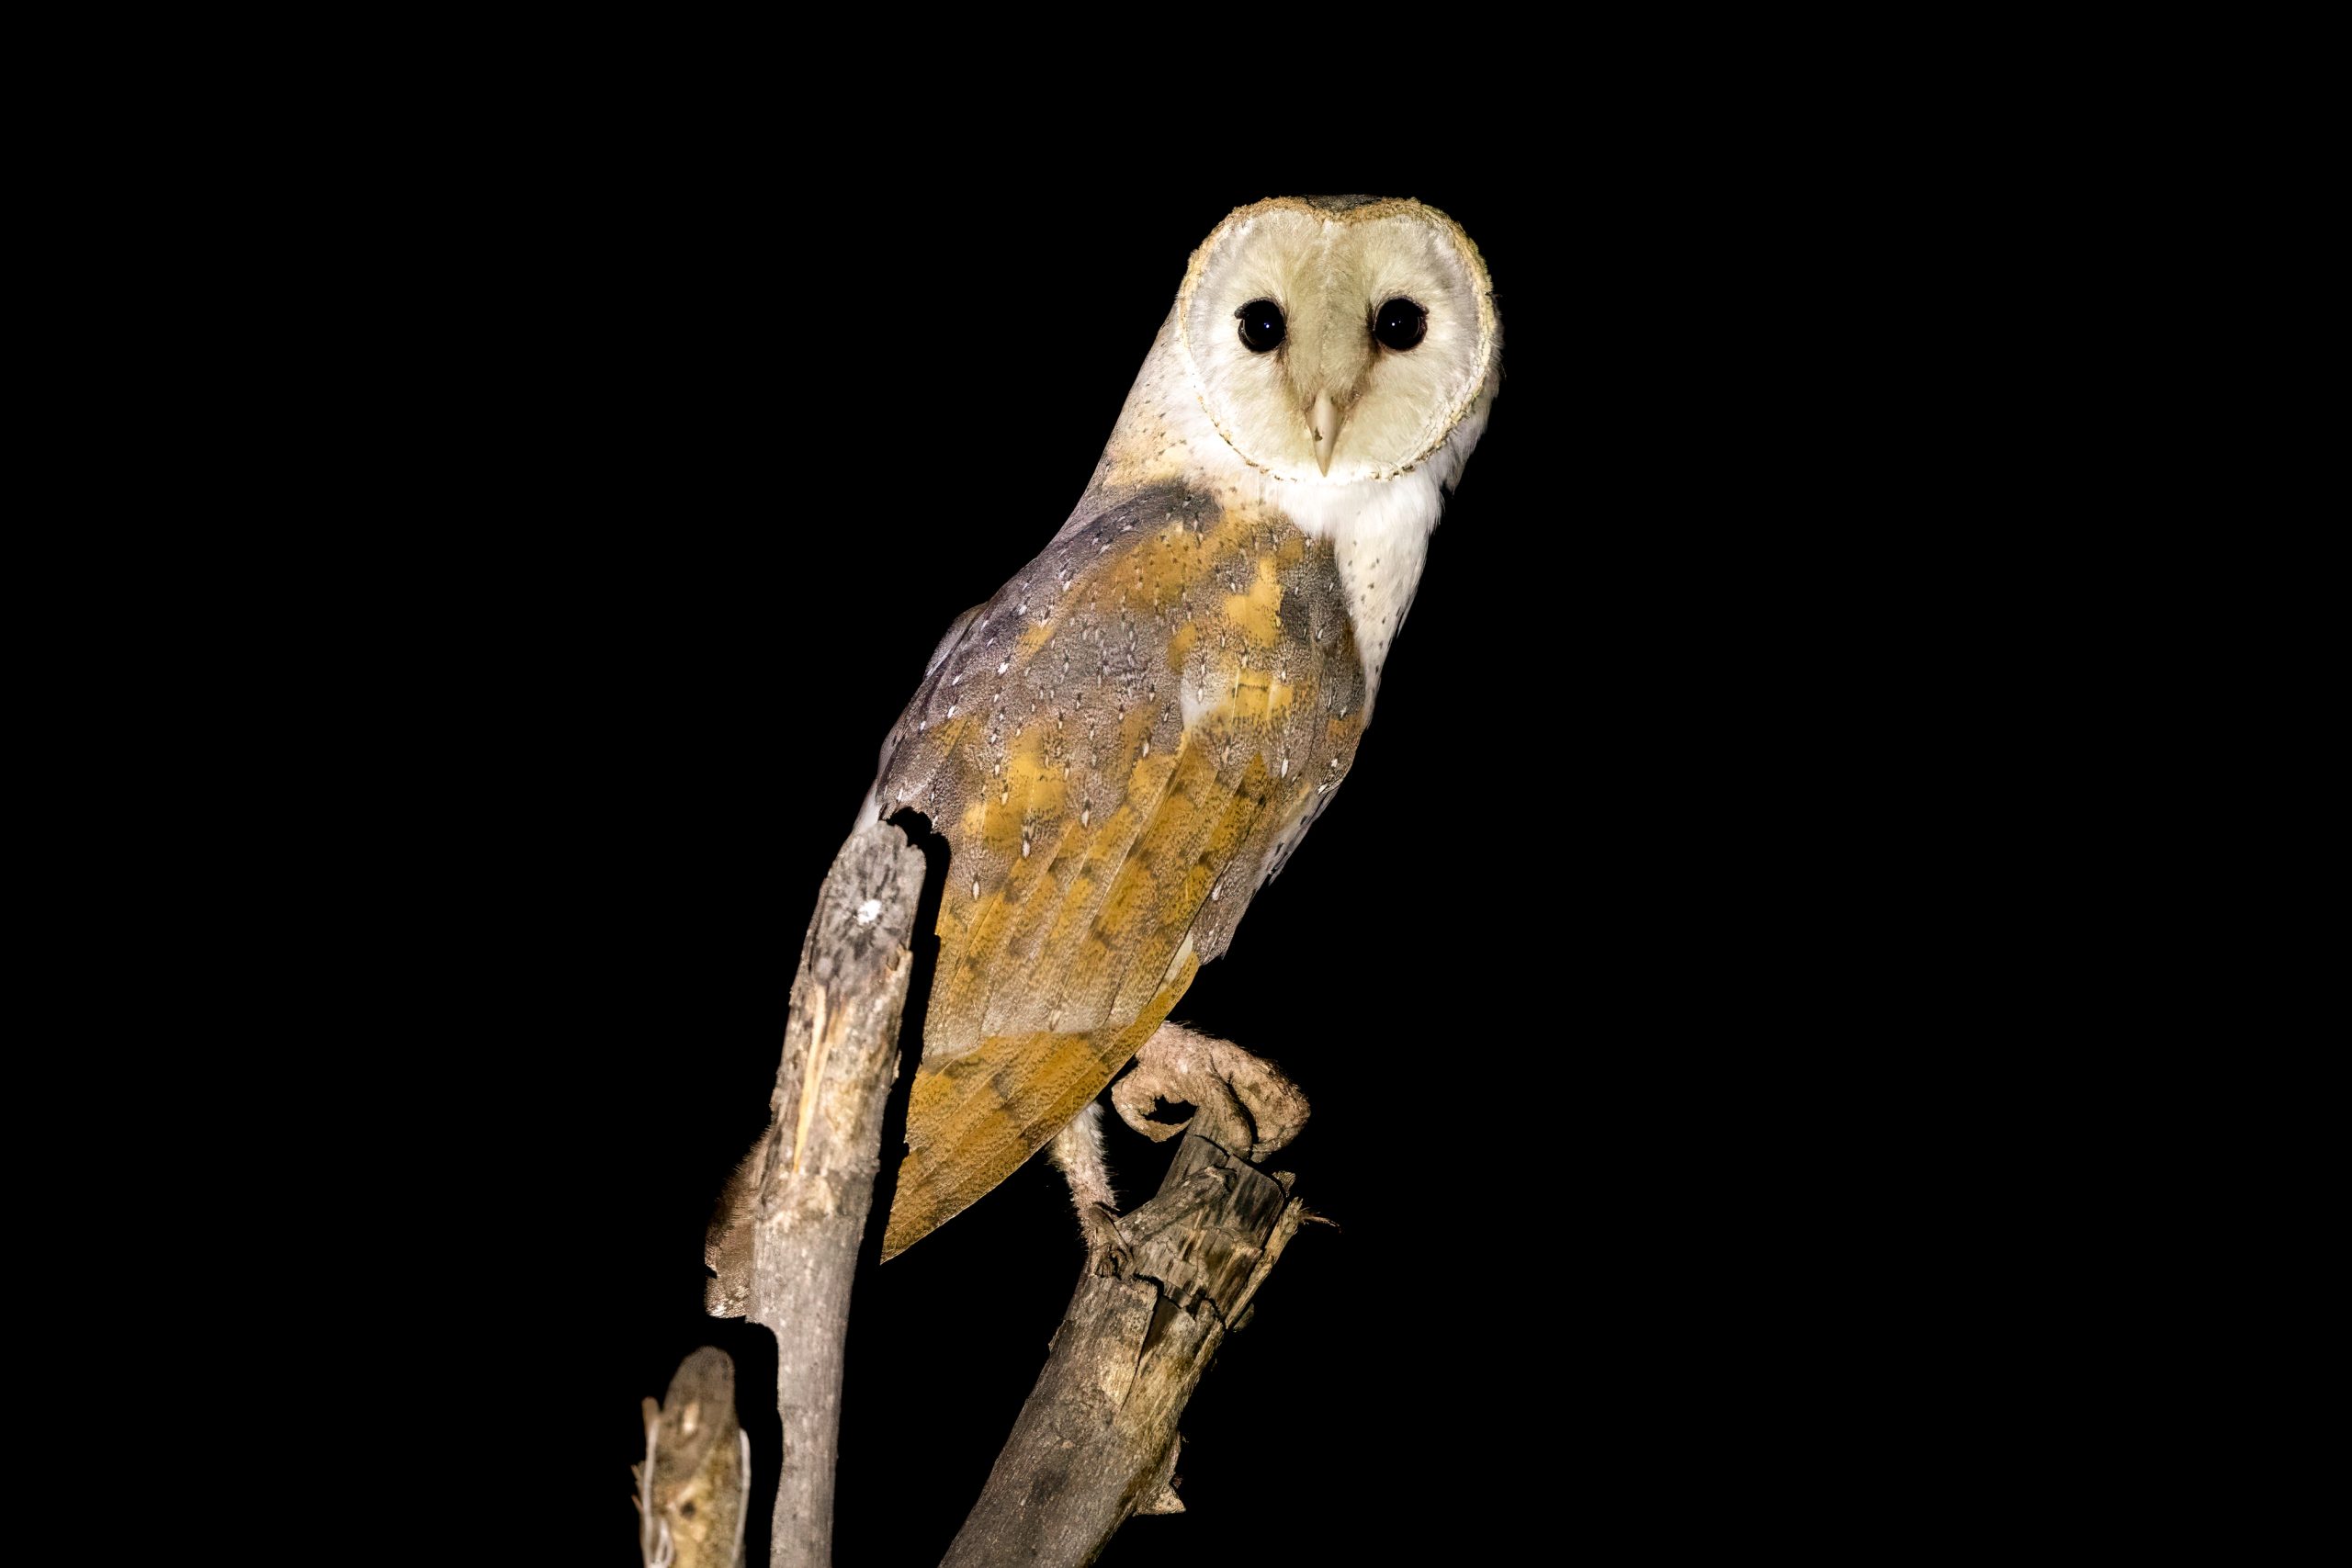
point(1107, 1253)
point(1135, 1107)
point(1179, 1065)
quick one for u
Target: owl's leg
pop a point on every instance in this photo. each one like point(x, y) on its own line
point(1227, 1086)
point(1077, 1149)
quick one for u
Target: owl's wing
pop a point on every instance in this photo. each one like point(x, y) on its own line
point(1116, 747)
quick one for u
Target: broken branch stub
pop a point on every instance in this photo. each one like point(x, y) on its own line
point(690, 1487)
point(1096, 1440)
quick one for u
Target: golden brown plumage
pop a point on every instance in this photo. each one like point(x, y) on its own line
point(1114, 748)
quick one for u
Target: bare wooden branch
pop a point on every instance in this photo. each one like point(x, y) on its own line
point(785, 1245)
point(1096, 1440)
point(690, 1490)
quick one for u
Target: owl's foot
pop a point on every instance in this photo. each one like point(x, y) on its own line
point(1107, 1252)
point(1238, 1099)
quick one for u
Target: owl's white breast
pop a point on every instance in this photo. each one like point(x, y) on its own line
point(1379, 530)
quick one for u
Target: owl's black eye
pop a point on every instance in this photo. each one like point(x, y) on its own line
point(1400, 323)
point(1262, 325)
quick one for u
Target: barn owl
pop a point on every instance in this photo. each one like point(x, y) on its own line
point(1132, 735)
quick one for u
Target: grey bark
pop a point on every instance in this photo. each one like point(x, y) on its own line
point(1096, 1440)
point(803, 1193)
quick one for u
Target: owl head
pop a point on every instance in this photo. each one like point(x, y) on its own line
point(1337, 339)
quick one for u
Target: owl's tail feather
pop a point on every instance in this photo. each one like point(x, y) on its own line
point(974, 1121)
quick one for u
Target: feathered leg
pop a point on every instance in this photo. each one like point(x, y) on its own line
point(1077, 1149)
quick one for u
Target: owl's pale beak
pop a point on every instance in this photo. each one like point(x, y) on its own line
point(1323, 420)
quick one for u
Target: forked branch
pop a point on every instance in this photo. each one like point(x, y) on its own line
point(1096, 1443)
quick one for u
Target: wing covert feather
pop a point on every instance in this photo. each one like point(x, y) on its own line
point(1116, 748)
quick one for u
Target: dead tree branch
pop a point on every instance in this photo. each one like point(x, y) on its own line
point(1096, 1440)
point(785, 1245)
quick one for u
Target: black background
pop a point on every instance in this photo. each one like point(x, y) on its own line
point(1590, 974)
